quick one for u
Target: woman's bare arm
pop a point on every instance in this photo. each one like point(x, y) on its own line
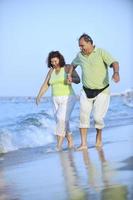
point(44, 87)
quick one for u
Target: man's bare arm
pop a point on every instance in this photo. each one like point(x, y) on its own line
point(116, 76)
point(69, 75)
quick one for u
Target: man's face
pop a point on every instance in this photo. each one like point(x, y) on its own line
point(85, 47)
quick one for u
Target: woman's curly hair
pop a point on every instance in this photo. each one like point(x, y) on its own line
point(58, 55)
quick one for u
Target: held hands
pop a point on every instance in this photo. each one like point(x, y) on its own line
point(69, 79)
point(116, 77)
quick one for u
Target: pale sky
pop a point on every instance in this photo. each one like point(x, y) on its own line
point(29, 29)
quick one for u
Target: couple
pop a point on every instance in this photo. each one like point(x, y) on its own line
point(95, 94)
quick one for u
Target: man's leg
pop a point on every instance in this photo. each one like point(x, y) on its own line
point(101, 105)
point(85, 111)
point(83, 134)
point(99, 138)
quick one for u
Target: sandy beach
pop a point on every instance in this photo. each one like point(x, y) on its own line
point(43, 174)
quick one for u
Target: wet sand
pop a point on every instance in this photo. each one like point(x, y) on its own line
point(100, 174)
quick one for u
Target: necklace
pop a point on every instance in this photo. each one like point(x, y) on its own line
point(57, 71)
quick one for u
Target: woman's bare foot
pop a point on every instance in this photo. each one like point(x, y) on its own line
point(82, 147)
point(59, 143)
point(58, 148)
point(70, 141)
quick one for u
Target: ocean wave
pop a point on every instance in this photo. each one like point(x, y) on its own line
point(27, 131)
point(33, 137)
point(26, 125)
point(128, 97)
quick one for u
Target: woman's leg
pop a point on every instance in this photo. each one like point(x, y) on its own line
point(60, 140)
point(57, 114)
point(60, 103)
point(69, 108)
point(70, 141)
point(63, 106)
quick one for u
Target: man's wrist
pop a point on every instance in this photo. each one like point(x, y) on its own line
point(116, 72)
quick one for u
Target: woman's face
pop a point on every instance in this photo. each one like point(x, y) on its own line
point(55, 62)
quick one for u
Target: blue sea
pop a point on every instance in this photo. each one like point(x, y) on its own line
point(23, 124)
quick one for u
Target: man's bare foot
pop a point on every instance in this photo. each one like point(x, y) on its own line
point(82, 147)
point(99, 138)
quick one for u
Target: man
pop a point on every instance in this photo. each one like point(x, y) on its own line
point(95, 95)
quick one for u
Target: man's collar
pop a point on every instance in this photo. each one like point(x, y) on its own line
point(94, 50)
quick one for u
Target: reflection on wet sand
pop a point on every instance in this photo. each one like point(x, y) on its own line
point(4, 188)
point(74, 190)
point(92, 172)
point(110, 190)
point(100, 176)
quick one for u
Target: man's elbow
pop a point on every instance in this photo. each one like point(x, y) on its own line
point(116, 63)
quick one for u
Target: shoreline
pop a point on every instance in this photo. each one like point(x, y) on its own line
point(104, 173)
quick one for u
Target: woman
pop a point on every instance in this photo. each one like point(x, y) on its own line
point(62, 93)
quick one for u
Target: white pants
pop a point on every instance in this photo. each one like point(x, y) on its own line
point(99, 105)
point(63, 106)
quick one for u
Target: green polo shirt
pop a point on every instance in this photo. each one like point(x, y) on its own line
point(94, 68)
